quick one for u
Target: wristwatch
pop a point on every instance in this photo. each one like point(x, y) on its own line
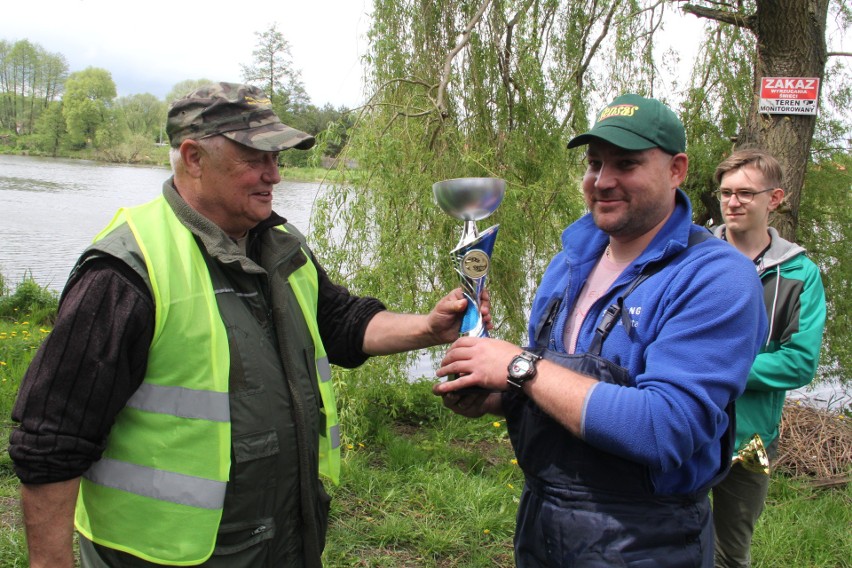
point(522, 369)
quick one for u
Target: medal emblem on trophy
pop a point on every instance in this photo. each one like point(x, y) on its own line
point(471, 200)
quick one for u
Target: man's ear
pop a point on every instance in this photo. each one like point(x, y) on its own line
point(191, 153)
point(678, 168)
point(776, 197)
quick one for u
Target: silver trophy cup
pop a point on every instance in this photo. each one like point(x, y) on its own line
point(470, 200)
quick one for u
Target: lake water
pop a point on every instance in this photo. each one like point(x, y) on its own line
point(50, 209)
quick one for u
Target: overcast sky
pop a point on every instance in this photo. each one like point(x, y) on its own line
point(148, 46)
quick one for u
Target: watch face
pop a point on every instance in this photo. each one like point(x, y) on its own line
point(520, 367)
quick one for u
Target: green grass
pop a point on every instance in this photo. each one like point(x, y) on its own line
point(422, 487)
point(18, 341)
point(803, 526)
point(436, 492)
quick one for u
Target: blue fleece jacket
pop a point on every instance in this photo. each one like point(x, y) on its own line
point(697, 326)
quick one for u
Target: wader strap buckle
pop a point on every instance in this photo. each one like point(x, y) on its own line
point(602, 331)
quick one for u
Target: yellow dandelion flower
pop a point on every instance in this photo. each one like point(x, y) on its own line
point(350, 447)
point(360, 445)
point(25, 323)
point(510, 486)
point(486, 531)
point(495, 424)
point(2, 363)
point(41, 329)
point(514, 461)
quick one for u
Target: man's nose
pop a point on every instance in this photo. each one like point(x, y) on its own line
point(605, 178)
point(273, 173)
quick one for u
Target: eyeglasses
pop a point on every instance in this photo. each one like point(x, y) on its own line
point(724, 195)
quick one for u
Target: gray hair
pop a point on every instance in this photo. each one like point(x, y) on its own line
point(209, 145)
point(175, 158)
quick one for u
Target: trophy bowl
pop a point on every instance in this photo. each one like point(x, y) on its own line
point(469, 199)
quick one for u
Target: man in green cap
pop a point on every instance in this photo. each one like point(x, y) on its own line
point(181, 412)
point(641, 335)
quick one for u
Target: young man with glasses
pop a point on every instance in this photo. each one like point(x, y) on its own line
point(749, 190)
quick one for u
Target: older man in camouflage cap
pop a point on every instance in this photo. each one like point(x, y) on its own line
point(181, 412)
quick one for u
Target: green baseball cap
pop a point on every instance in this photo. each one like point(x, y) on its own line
point(634, 122)
point(240, 112)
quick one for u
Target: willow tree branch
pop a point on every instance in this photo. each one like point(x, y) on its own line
point(650, 8)
point(581, 71)
point(839, 53)
point(505, 63)
point(738, 19)
point(705, 81)
point(448, 62)
point(548, 19)
point(389, 82)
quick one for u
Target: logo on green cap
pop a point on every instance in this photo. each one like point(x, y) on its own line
point(617, 110)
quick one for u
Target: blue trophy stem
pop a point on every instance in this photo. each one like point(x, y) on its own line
point(472, 261)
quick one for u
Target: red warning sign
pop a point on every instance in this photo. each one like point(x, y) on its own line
point(789, 95)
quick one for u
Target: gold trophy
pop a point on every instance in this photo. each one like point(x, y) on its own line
point(753, 456)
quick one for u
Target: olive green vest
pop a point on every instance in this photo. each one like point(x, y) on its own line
point(158, 491)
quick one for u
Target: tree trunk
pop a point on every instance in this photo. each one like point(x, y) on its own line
point(790, 43)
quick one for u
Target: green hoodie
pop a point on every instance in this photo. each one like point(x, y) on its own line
point(795, 305)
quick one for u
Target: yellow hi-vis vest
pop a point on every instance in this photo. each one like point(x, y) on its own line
point(159, 489)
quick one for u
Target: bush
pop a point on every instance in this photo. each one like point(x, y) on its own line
point(29, 300)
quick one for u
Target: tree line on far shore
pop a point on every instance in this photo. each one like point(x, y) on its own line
point(47, 110)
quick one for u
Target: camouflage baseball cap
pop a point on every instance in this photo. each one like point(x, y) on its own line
point(240, 112)
point(634, 122)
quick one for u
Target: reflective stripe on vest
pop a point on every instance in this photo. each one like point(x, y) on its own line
point(178, 401)
point(167, 460)
point(305, 285)
point(157, 484)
